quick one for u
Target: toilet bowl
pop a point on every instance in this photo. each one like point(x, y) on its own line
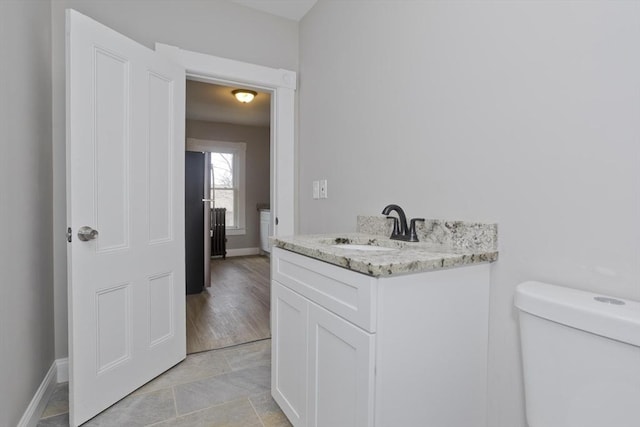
point(581, 357)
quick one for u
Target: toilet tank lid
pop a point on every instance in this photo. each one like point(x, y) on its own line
point(615, 318)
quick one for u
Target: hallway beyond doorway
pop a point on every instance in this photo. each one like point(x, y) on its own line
point(235, 309)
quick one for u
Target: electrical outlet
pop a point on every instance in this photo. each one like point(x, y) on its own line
point(316, 189)
point(323, 188)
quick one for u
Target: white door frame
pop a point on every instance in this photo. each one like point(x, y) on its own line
point(281, 84)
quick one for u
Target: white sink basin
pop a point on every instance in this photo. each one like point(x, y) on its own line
point(364, 247)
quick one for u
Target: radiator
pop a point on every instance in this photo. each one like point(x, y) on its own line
point(218, 235)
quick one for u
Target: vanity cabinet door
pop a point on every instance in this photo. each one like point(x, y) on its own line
point(341, 372)
point(289, 361)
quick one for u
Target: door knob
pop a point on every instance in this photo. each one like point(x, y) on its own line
point(87, 233)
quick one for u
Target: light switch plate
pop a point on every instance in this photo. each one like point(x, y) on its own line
point(323, 188)
point(316, 189)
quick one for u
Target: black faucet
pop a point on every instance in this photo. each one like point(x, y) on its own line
point(400, 229)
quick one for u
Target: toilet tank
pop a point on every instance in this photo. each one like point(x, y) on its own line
point(581, 357)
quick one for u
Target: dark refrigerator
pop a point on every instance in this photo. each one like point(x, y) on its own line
point(194, 221)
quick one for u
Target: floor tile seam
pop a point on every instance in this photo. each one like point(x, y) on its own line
point(248, 348)
point(175, 410)
point(232, 346)
point(175, 401)
point(62, 412)
point(260, 393)
point(161, 422)
point(246, 393)
point(256, 411)
point(214, 406)
point(181, 383)
point(54, 415)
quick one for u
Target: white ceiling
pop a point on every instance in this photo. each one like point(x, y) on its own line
point(291, 9)
point(215, 103)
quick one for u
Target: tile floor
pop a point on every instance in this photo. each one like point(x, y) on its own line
point(227, 387)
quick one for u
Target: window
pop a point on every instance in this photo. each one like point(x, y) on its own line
point(227, 178)
point(227, 182)
point(225, 189)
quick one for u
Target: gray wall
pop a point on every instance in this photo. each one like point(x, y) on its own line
point(258, 140)
point(26, 306)
point(524, 113)
point(219, 28)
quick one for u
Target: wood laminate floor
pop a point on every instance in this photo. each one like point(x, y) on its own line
point(235, 309)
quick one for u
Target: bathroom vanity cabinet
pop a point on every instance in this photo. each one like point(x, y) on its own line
point(349, 349)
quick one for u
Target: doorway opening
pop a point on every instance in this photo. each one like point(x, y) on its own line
point(126, 322)
point(228, 166)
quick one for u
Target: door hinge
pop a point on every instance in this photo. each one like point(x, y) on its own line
point(69, 235)
point(277, 221)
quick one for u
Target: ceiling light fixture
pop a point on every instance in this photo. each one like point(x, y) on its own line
point(243, 95)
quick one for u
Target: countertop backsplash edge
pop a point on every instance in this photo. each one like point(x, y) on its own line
point(476, 236)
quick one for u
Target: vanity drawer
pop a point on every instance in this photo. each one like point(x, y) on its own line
point(348, 294)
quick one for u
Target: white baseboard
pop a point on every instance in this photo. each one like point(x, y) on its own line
point(63, 370)
point(39, 402)
point(243, 252)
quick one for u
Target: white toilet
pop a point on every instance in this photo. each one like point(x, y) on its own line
point(581, 357)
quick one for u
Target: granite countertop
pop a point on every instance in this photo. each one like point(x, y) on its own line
point(405, 257)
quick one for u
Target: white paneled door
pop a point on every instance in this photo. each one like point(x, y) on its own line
point(125, 180)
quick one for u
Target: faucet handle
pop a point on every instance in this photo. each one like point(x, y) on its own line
point(413, 236)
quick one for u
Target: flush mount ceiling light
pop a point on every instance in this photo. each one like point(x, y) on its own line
point(243, 95)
